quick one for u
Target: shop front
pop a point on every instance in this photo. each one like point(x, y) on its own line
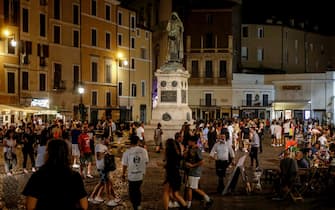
point(286, 110)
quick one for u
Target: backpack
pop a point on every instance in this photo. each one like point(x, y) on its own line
point(109, 161)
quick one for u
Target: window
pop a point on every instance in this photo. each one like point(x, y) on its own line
point(57, 9)
point(296, 44)
point(249, 99)
point(138, 32)
point(42, 25)
point(143, 88)
point(94, 98)
point(143, 53)
point(120, 89)
point(75, 77)
point(108, 12)
point(43, 50)
point(10, 46)
point(25, 80)
point(94, 7)
point(209, 19)
point(132, 42)
point(42, 82)
point(265, 100)
point(119, 18)
point(146, 35)
point(43, 2)
point(209, 69)
point(244, 53)
point(209, 40)
point(108, 73)
point(93, 37)
point(57, 76)
point(195, 68)
point(94, 71)
point(57, 34)
point(133, 90)
point(25, 20)
point(260, 54)
point(133, 22)
point(286, 56)
point(10, 82)
point(223, 69)
point(75, 13)
point(132, 63)
point(208, 99)
point(11, 12)
point(75, 38)
point(245, 31)
point(260, 32)
point(119, 39)
point(108, 40)
point(108, 99)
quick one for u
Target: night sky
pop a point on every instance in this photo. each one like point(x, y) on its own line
point(320, 12)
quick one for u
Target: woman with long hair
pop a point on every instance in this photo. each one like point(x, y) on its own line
point(172, 182)
point(56, 185)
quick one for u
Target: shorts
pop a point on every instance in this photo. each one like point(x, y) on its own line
point(75, 150)
point(193, 182)
point(278, 136)
point(86, 158)
point(174, 181)
point(104, 176)
point(286, 135)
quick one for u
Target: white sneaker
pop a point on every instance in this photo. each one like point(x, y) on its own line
point(89, 176)
point(91, 200)
point(273, 145)
point(99, 199)
point(25, 171)
point(111, 203)
point(33, 170)
point(171, 204)
point(117, 200)
point(75, 166)
point(175, 204)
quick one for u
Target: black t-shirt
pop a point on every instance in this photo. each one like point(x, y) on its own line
point(55, 189)
point(30, 141)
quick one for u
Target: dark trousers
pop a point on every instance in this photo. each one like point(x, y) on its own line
point(254, 156)
point(135, 194)
point(31, 156)
point(221, 167)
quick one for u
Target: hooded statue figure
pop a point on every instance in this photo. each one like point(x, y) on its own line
point(175, 46)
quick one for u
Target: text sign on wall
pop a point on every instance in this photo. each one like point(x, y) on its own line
point(168, 96)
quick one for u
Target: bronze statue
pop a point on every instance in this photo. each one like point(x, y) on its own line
point(175, 46)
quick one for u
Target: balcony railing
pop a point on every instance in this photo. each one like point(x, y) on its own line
point(204, 102)
point(256, 103)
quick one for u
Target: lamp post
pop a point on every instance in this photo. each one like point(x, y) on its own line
point(81, 91)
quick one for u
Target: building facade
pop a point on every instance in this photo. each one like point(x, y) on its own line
point(277, 48)
point(209, 60)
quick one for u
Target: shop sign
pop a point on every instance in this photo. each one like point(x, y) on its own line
point(291, 87)
point(37, 102)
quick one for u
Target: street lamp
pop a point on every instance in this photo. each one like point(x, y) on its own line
point(81, 91)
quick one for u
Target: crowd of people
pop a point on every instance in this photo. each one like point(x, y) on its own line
point(183, 155)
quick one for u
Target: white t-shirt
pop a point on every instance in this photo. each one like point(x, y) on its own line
point(136, 159)
point(100, 148)
point(139, 132)
point(286, 127)
point(322, 140)
point(10, 143)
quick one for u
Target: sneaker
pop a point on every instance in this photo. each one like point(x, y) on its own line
point(175, 204)
point(280, 145)
point(111, 203)
point(90, 176)
point(9, 174)
point(33, 170)
point(117, 200)
point(171, 204)
point(99, 199)
point(273, 145)
point(91, 200)
point(75, 166)
point(25, 171)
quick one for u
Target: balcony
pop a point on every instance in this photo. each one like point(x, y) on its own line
point(208, 103)
point(256, 103)
point(59, 85)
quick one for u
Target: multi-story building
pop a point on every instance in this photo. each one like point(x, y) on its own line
point(275, 47)
point(116, 68)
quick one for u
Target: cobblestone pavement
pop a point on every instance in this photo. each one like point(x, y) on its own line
point(10, 188)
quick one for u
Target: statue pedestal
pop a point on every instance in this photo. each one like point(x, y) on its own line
point(172, 108)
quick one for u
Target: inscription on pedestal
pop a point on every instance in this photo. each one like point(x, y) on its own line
point(168, 96)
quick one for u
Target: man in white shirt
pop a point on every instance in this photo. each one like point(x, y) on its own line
point(323, 140)
point(140, 134)
point(135, 160)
